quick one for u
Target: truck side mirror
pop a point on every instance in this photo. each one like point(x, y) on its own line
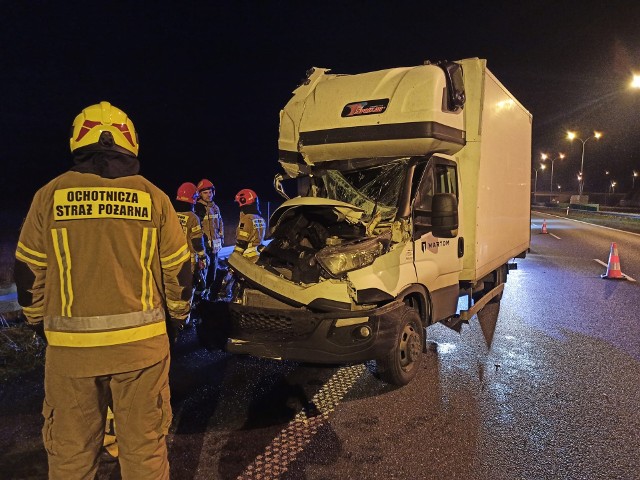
point(444, 215)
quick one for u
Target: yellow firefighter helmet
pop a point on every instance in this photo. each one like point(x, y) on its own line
point(104, 127)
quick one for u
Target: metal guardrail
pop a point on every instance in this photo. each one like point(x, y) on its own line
point(603, 212)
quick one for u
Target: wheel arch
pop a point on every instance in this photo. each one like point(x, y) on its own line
point(418, 297)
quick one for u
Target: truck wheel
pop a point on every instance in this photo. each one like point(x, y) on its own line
point(401, 364)
point(213, 328)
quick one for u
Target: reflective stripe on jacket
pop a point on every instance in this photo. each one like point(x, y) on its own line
point(192, 230)
point(212, 225)
point(249, 234)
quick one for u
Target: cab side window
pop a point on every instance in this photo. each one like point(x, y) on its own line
point(445, 179)
point(436, 178)
point(422, 201)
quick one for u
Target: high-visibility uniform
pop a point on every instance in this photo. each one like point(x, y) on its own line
point(212, 224)
point(110, 442)
point(213, 228)
point(249, 234)
point(192, 230)
point(99, 261)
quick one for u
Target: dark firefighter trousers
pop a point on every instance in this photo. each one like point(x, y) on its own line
point(75, 410)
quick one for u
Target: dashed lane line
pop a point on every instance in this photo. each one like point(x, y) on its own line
point(284, 449)
point(548, 233)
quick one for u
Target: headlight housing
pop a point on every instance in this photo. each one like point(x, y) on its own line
point(339, 259)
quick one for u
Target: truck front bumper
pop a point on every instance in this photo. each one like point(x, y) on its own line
point(301, 335)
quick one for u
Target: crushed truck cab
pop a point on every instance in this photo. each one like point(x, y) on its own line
point(412, 190)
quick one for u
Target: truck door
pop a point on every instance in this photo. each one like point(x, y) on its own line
point(437, 260)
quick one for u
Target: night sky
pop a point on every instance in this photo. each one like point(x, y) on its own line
point(204, 82)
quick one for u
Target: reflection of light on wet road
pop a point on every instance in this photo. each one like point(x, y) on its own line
point(502, 394)
point(445, 348)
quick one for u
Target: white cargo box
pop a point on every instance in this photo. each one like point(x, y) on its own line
point(495, 173)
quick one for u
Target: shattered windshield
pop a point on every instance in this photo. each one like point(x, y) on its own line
point(375, 189)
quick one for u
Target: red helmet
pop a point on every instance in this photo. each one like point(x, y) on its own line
point(204, 184)
point(246, 197)
point(187, 193)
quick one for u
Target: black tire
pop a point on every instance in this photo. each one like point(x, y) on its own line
point(213, 328)
point(402, 363)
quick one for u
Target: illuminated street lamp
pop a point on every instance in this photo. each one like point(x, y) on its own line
point(613, 186)
point(544, 157)
point(633, 180)
point(535, 184)
point(573, 135)
point(635, 81)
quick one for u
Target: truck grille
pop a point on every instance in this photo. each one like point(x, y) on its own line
point(274, 324)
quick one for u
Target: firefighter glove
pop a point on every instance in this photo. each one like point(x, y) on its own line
point(203, 261)
point(38, 329)
point(174, 327)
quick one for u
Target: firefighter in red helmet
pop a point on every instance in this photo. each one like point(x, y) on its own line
point(184, 204)
point(212, 226)
point(101, 257)
point(249, 235)
point(252, 227)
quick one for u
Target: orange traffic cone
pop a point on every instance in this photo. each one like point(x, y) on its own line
point(613, 268)
point(544, 227)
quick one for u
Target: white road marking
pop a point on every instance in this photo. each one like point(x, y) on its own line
point(299, 432)
point(605, 265)
point(548, 232)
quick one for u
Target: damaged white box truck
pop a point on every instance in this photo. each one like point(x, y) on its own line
point(413, 190)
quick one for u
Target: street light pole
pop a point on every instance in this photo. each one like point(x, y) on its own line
point(535, 183)
point(544, 157)
point(574, 135)
point(633, 180)
point(579, 180)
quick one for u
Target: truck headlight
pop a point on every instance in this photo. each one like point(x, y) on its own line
point(340, 259)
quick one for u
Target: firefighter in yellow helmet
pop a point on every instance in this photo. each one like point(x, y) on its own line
point(213, 227)
point(186, 198)
point(101, 257)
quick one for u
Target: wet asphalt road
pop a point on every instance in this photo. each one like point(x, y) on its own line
point(545, 385)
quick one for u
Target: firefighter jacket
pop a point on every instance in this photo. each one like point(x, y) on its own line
point(100, 260)
point(192, 230)
point(249, 234)
point(212, 226)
